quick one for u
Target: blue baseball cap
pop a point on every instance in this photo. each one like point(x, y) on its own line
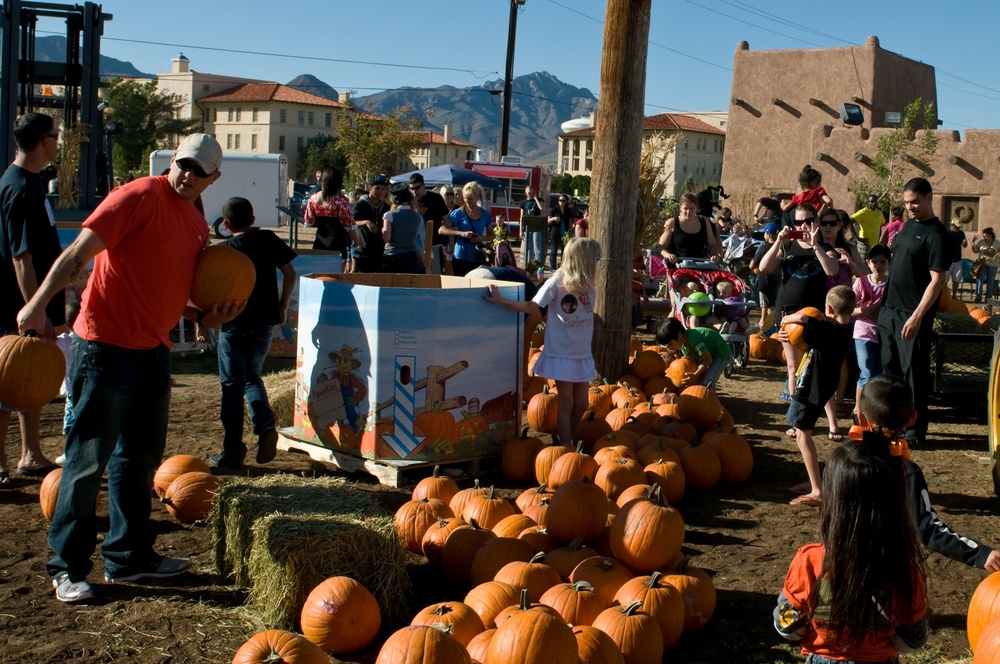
point(772, 228)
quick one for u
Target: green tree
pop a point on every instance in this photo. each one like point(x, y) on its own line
point(688, 186)
point(148, 118)
point(900, 155)
point(561, 184)
point(322, 151)
point(581, 186)
point(378, 142)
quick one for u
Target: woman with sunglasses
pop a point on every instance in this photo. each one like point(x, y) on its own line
point(804, 267)
point(836, 244)
point(468, 226)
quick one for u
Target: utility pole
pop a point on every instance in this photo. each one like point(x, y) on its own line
point(509, 76)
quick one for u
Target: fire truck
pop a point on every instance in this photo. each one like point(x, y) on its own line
point(515, 176)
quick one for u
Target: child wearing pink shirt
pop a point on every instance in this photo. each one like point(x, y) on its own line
point(869, 289)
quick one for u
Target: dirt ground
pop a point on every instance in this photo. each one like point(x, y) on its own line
point(745, 536)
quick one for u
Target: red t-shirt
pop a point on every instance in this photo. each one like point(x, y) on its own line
point(803, 574)
point(142, 281)
point(812, 196)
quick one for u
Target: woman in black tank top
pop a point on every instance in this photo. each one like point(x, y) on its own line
point(688, 235)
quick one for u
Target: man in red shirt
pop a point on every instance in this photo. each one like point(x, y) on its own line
point(145, 238)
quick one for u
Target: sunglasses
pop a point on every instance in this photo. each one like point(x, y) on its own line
point(830, 222)
point(191, 166)
point(414, 187)
point(807, 220)
point(563, 200)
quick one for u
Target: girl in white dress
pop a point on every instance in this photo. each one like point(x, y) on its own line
point(566, 356)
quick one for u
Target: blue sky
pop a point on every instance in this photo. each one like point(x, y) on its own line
point(463, 42)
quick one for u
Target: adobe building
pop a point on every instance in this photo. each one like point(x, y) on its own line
point(785, 112)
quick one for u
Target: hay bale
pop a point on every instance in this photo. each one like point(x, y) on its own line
point(957, 324)
point(291, 555)
point(242, 502)
point(280, 386)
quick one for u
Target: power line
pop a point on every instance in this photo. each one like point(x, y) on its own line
point(753, 25)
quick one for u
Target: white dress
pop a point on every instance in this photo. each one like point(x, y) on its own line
point(569, 331)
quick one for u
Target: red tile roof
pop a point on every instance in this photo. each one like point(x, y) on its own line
point(270, 92)
point(663, 122)
point(431, 137)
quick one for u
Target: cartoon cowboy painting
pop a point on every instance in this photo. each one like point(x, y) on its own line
point(351, 387)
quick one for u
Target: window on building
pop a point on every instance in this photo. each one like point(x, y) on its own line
point(239, 112)
point(590, 147)
point(299, 143)
point(205, 87)
point(685, 168)
point(281, 116)
point(302, 117)
point(437, 152)
point(565, 149)
point(215, 115)
point(589, 164)
point(236, 142)
point(456, 153)
point(229, 116)
point(329, 119)
point(253, 142)
point(281, 144)
point(722, 123)
point(229, 141)
point(685, 145)
point(468, 155)
point(310, 120)
point(253, 115)
point(576, 163)
point(565, 164)
point(206, 115)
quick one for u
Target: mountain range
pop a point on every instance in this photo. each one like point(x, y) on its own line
point(540, 104)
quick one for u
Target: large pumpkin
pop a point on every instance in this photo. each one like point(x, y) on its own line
point(489, 599)
point(463, 497)
point(277, 646)
point(31, 371)
point(578, 508)
point(699, 406)
point(606, 575)
point(646, 533)
point(577, 603)
point(517, 459)
point(460, 550)
point(596, 647)
point(422, 644)
point(572, 466)
point(566, 558)
point(735, 457)
point(413, 518)
point(340, 616)
point(983, 607)
point(702, 468)
point(191, 496)
point(534, 575)
point(592, 427)
point(513, 525)
point(533, 637)
point(988, 646)
point(660, 600)
point(495, 554)
point(436, 536)
point(175, 466)
point(437, 486)
point(634, 631)
point(698, 591)
point(464, 622)
point(679, 369)
point(619, 474)
point(796, 330)
point(488, 509)
point(222, 274)
point(546, 457)
point(543, 412)
point(48, 493)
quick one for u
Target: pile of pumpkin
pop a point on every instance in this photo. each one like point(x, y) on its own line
point(983, 621)
point(582, 565)
point(183, 483)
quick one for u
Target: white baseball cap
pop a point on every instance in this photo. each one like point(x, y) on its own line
point(203, 149)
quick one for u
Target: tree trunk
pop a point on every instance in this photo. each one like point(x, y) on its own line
point(615, 182)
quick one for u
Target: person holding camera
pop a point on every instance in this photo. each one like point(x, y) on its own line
point(804, 266)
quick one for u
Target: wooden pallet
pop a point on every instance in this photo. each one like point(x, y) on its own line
point(391, 472)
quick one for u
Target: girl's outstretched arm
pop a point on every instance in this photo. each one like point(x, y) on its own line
point(493, 295)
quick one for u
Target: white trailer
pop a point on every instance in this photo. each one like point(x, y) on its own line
point(262, 179)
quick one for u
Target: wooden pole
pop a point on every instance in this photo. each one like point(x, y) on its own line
point(615, 182)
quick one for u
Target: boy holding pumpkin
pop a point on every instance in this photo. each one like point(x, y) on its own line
point(244, 341)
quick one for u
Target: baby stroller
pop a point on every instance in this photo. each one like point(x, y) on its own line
point(706, 275)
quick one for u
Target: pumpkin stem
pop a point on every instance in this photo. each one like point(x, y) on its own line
point(447, 628)
point(525, 603)
point(524, 433)
point(475, 524)
point(489, 493)
point(654, 580)
point(442, 523)
point(575, 544)
point(437, 469)
point(582, 585)
point(579, 447)
point(442, 610)
point(632, 608)
point(538, 557)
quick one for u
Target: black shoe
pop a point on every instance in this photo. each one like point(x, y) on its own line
point(221, 464)
point(267, 446)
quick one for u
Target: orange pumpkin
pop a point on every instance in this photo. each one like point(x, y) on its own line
point(630, 494)
point(340, 616)
point(646, 533)
point(464, 622)
point(48, 493)
point(699, 406)
point(605, 574)
point(579, 508)
point(460, 550)
point(648, 364)
point(613, 453)
point(415, 517)
point(479, 646)
point(796, 330)
point(565, 559)
point(191, 496)
point(735, 457)
point(222, 274)
point(537, 538)
point(435, 486)
point(422, 643)
point(513, 525)
point(434, 424)
point(547, 456)
point(523, 605)
point(461, 498)
point(489, 599)
point(757, 342)
point(436, 536)
point(470, 427)
point(599, 401)
point(596, 647)
point(487, 509)
point(532, 636)
point(277, 645)
point(627, 397)
point(983, 608)
point(617, 475)
point(660, 600)
point(572, 466)
point(532, 496)
point(517, 460)
point(534, 575)
point(669, 476)
point(698, 591)
point(543, 412)
point(496, 553)
point(702, 468)
point(31, 371)
point(175, 466)
point(591, 428)
point(678, 371)
point(576, 602)
point(634, 631)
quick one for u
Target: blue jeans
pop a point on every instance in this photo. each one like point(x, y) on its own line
point(987, 275)
point(869, 360)
point(555, 244)
point(121, 399)
point(242, 352)
point(74, 352)
point(534, 248)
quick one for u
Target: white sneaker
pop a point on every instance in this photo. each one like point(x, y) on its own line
point(71, 591)
point(167, 568)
